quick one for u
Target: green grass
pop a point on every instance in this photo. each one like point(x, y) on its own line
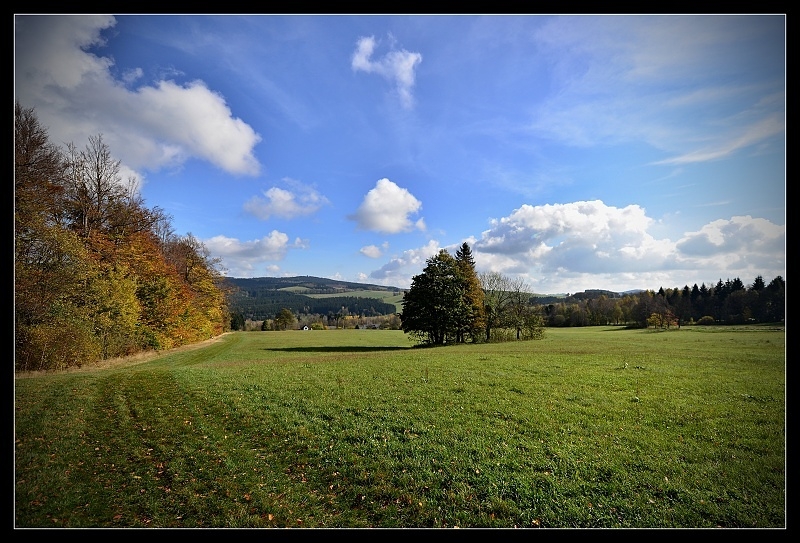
point(590, 427)
point(384, 296)
point(381, 295)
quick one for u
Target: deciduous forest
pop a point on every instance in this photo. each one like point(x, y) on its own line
point(97, 274)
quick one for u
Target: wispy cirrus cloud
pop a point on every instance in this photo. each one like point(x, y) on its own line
point(399, 67)
point(612, 84)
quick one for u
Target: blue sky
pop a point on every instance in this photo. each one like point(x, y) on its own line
point(575, 152)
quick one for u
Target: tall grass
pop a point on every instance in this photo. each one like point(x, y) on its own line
point(590, 427)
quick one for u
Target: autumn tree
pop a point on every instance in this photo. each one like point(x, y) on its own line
point(51, 265)
point(38, 174)
point(97, 274)
point(508, 311)
point(93, 185)
point(520, 315)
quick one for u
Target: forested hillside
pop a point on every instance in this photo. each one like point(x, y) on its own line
point(263, 297)
point(305, 284)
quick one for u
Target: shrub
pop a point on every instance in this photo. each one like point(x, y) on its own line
point(57, 345)
point(705, 321)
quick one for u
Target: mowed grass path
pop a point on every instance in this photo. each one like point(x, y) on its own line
point(590, 427)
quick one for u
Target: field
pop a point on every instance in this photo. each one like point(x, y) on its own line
point(595, 427)
point(381, 295)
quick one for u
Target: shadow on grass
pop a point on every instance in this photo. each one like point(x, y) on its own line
point(343, 349)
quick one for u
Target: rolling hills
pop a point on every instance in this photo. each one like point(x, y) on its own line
point(262, 297)
point(259, 298)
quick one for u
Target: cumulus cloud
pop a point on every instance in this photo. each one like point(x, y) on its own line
point(150, 127)
point(579, 245)
point(541, 242)
point(589, 231)
point(398, 271)
point(246, 258)
point(739, 235)
point(373, 251)
point(395, 66)
point(287, 204)
point(386, 208)
point(584, 245)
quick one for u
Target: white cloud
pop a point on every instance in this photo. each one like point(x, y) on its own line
point(286, 204)
point(243, 258)
point(737, 236)
point(151, 127)
point(580, 245)
point(532, 231)
point(588, 245)
point(399, 270)
point(199, 121)
point(396, 66)
point(386, 208)
point(373, 251)
point(579, 237)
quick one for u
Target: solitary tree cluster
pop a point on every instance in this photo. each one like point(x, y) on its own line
point(450, 303)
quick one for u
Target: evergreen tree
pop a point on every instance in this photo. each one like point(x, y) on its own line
point(473, 294)
point(776, 300)
point(284, 319)
point(433, 308)
point(237, 321)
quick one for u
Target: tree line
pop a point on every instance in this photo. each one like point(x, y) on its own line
point(726, 302)
point(97, 274)
point(449, 302)
point(266, 304)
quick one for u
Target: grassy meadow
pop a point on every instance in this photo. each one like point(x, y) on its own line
point(381, 295)
point(596, 427)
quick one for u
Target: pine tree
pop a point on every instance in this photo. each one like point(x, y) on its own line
point(473, 295)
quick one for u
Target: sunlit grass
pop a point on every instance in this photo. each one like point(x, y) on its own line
point(590, 427)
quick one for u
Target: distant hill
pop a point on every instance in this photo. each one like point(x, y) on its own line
point(261, 298)
point(591, 294)
point(307, 284)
